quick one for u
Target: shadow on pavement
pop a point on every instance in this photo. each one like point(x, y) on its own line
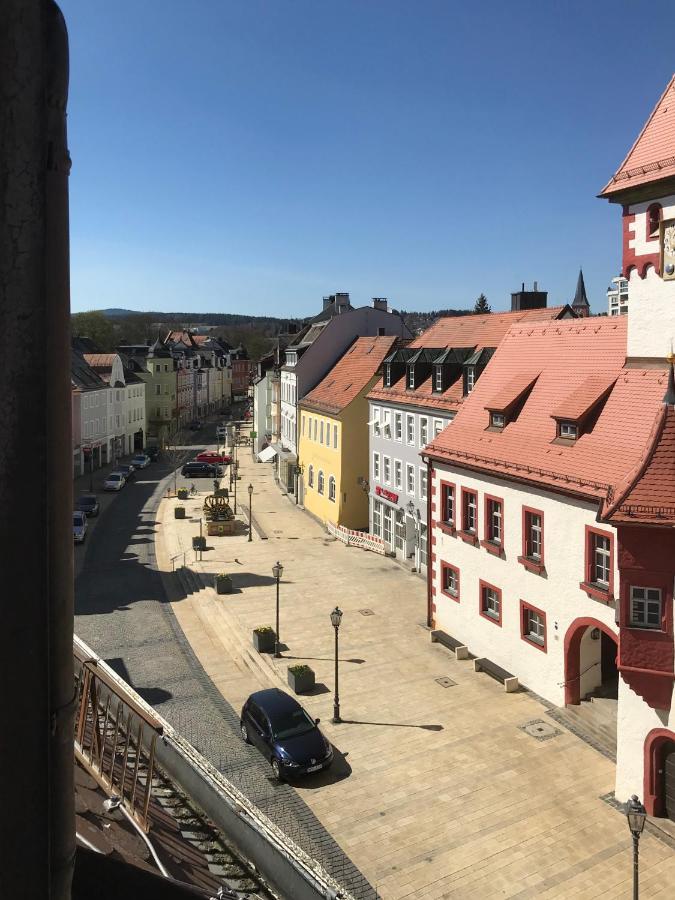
point(337, 772)
point(394, 724)
point(328, 659)
point(152, 695)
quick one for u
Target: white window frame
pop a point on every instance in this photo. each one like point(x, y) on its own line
point(377, 518)
point(601, 558)
point(335, 437)
point(386, 469)
point(424, 431)
point(398, 474)
point(497, 420)
point(376, 466)
point(410, 432)
point(410, 479)
point(533, 541)
point(495, 521)
point(331, 488)
point(398, 427)
point(470, 378)
point(423, 483)
point(376, 421)
point(387, 375)
point(490, 602)
point(568, 430)
point(438, 427)
point(320, 482)
point(535, 626)
point(310, 477)
point(438, 378)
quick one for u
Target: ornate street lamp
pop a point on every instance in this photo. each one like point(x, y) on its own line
point(250, 511)
point(636, 815)
point(277, 571)
point(335, 619)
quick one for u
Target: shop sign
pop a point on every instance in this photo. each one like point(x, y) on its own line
point(388, 495)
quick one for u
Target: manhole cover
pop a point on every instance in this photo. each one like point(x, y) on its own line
point(366, 612)
point(444, 681)
point(542, 731)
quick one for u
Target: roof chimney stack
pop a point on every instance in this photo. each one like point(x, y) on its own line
point(381, 304)
point(534, 299)
point(341, 302)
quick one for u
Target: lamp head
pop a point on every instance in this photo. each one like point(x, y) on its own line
point(277, 570)
point(636, 815)
point(336, 617)
point(250, 489)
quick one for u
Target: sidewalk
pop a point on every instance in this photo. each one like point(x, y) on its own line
point(437, 790)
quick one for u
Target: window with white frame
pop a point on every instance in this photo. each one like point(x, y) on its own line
point(438, 427)
point(411, 377)
point(321, 432)
point(376, 420)
point(568, 430)
point(376, 466)
point(494, 521)
point(533, 535)
point(645, 607)
point(424, 431)
point(398, 474)
point(410, 429)
point(310, 477)
point(534, 626)
point(491, 602)
point(398, 426)
point(387, 423)
point(386, 469)
point(423, 483)
point(600, 559)
point(439, 378)
point(331, 488)
point(335, 437)
point(387, 375)
point(410, 479)
point(320, 482)
point(377, 518)
point(470, 378)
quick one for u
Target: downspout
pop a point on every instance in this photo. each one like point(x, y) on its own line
point(430, 544)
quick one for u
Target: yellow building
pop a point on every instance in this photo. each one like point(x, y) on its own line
point(333, 446)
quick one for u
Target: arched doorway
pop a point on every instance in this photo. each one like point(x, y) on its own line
point(659, 773)
point(591, 649)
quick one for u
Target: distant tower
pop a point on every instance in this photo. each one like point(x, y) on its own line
point(580, 304)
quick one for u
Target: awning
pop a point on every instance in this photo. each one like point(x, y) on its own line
point(267, 454)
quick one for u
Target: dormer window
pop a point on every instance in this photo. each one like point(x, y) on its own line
point(568, 430)
point(497, 420)
point(654, 220)
point(470, 378)
point(387, 375)
point(438, 379)
point(411, 377)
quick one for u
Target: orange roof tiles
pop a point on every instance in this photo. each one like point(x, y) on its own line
point(459, 331)
point(350, 375)
point(652, 156)
point(510, 393)
point(650, 497)
point(567, 354)
point(100, 360)
point(582, 398)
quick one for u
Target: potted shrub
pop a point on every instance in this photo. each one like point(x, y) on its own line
point(263, 638)
point(199, 542)
point(182, 493)
point(223, 583)
point(300, 678)
point(179, 512)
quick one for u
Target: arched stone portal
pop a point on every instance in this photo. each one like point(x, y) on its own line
point(659, 773)
point(587, 666)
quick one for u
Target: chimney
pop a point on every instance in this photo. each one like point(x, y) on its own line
point(535, 287)
point(381, 304)
point(534, 299)
point(328, 300)
point(342, 302)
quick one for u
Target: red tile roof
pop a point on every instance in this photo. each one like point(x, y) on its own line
point(583, 397)
point(652, 156)
point(649, 497)
point(459, 331)
point(508, 395)
point(350, 375)
point(567, 354)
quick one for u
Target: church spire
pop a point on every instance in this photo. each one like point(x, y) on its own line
point(580, 304)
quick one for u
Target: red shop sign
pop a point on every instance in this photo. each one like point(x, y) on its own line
point(388, 495)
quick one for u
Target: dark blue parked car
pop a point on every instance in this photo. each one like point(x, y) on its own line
point(285, 734)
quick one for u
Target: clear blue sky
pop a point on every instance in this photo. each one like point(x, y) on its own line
point(254, 156)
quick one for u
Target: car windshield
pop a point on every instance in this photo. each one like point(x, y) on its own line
point(292, 723)
point(114, 477)
point(86, 501)
point(77, 520)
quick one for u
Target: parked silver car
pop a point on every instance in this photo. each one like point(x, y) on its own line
point(79, 526)
point(140, 461)
point(114, 482)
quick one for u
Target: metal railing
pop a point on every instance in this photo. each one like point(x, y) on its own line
point(114, 737)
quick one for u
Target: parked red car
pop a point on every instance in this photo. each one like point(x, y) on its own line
point(217, 459)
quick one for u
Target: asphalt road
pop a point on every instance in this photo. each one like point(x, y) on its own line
point(122, 612)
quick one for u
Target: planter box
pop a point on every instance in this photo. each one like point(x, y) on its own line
point(215, 528)
point(223, 585)
point(198, 543)
point(182, 493)
point(179, 512)
point(302, 682)
point(264, 641)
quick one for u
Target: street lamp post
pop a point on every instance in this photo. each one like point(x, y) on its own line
point(277, 571)
point(235, 493)
point(636, 815)
point(250, 512)
point(336, 618)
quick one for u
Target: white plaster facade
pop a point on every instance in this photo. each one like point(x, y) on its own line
point(557, 592)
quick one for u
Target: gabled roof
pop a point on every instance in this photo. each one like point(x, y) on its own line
point(82, 376)
point(350, 375)
point(652, 156)
point(465, 337)
point(583, 397)
point(508, 396)
point(567, 354)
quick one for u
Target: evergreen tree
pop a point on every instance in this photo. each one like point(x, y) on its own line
point(482, 306)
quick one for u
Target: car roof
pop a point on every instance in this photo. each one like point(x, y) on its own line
point(274, 701)
point(86, 497)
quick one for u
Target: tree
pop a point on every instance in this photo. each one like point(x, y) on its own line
point(96, 326)
point(482, 305)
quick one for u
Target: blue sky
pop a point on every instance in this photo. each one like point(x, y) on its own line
point(254, 156)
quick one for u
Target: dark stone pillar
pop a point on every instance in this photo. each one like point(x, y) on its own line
point(36, 672)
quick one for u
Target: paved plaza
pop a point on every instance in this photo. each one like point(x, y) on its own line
point(437, 791)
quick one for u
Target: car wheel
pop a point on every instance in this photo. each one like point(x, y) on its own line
point(276, 768)
point(244, 734)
